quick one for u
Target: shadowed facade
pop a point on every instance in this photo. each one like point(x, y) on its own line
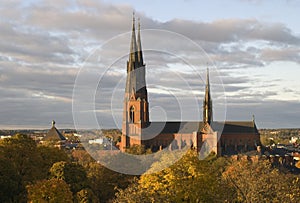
point(229, 137)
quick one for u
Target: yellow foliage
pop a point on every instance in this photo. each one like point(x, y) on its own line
point(298, 164)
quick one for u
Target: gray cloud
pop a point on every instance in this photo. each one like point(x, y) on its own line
point(268, 114)
point(232, 30)
point(288, 54)
point(45, 43)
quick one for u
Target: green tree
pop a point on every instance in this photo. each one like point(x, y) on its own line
point(22, 153)
point(23, 163)
point(73, 174)
point(104, 181)
point(52, 191)
point(9, 180)
point(50, 155)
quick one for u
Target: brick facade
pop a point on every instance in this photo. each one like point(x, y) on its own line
point(207, 135)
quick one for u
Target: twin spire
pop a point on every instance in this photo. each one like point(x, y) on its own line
point(136, 82)
point(136, 53)
point(136, 74)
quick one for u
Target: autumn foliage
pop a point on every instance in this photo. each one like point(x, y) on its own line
point(33, 173)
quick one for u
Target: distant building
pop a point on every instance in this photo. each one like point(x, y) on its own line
point(96, 141)
point(294, 140)
point(54, 137)
point(5, 136)
point(229, 137)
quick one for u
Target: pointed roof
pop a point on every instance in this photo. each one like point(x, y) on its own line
point(136, 81)
point(139, 45)
point(133, 57)
point(53, 134)
point(207, 87)
point(207, 103)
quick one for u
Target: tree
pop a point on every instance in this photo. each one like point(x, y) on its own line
point(104, 181)
point(298, 164)
point(52, 191)
point(24, 163)
point(134, 194)
point(50, 155)
point(188, 180)
point(297, 143)
point(82, 157)
point(73, 174)
point(259, 181)
point(86, 196)
point(22, 154)
point(9, 180)
point(138, 150)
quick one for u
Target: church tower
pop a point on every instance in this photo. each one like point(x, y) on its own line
point(207, 103)
point(135, 112)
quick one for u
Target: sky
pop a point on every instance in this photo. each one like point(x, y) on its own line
point(65, 60)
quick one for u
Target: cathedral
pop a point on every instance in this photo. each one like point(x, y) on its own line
point(229, 137)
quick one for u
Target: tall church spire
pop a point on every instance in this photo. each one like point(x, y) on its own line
point(139, 45)
point(207, 103)
point(133, 57)
point(136, 80)
point(136, 107)
point(207, 86)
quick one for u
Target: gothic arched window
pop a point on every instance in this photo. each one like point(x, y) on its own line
point(131, 114)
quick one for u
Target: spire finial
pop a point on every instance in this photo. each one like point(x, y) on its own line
point(53, 123)
point(133, 21)
point(133, 17)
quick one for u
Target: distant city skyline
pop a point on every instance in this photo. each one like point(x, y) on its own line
point(254, 44)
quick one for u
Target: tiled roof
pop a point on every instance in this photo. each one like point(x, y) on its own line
point(172, 127)
point(54, 135)
point(227, 127)
point(240, 127)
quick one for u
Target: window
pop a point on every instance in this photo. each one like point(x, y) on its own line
point(131, 114)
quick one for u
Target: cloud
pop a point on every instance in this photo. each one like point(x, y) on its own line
point(45, 43)
point(288, 54)
point(232, 30)
point(268, 114)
